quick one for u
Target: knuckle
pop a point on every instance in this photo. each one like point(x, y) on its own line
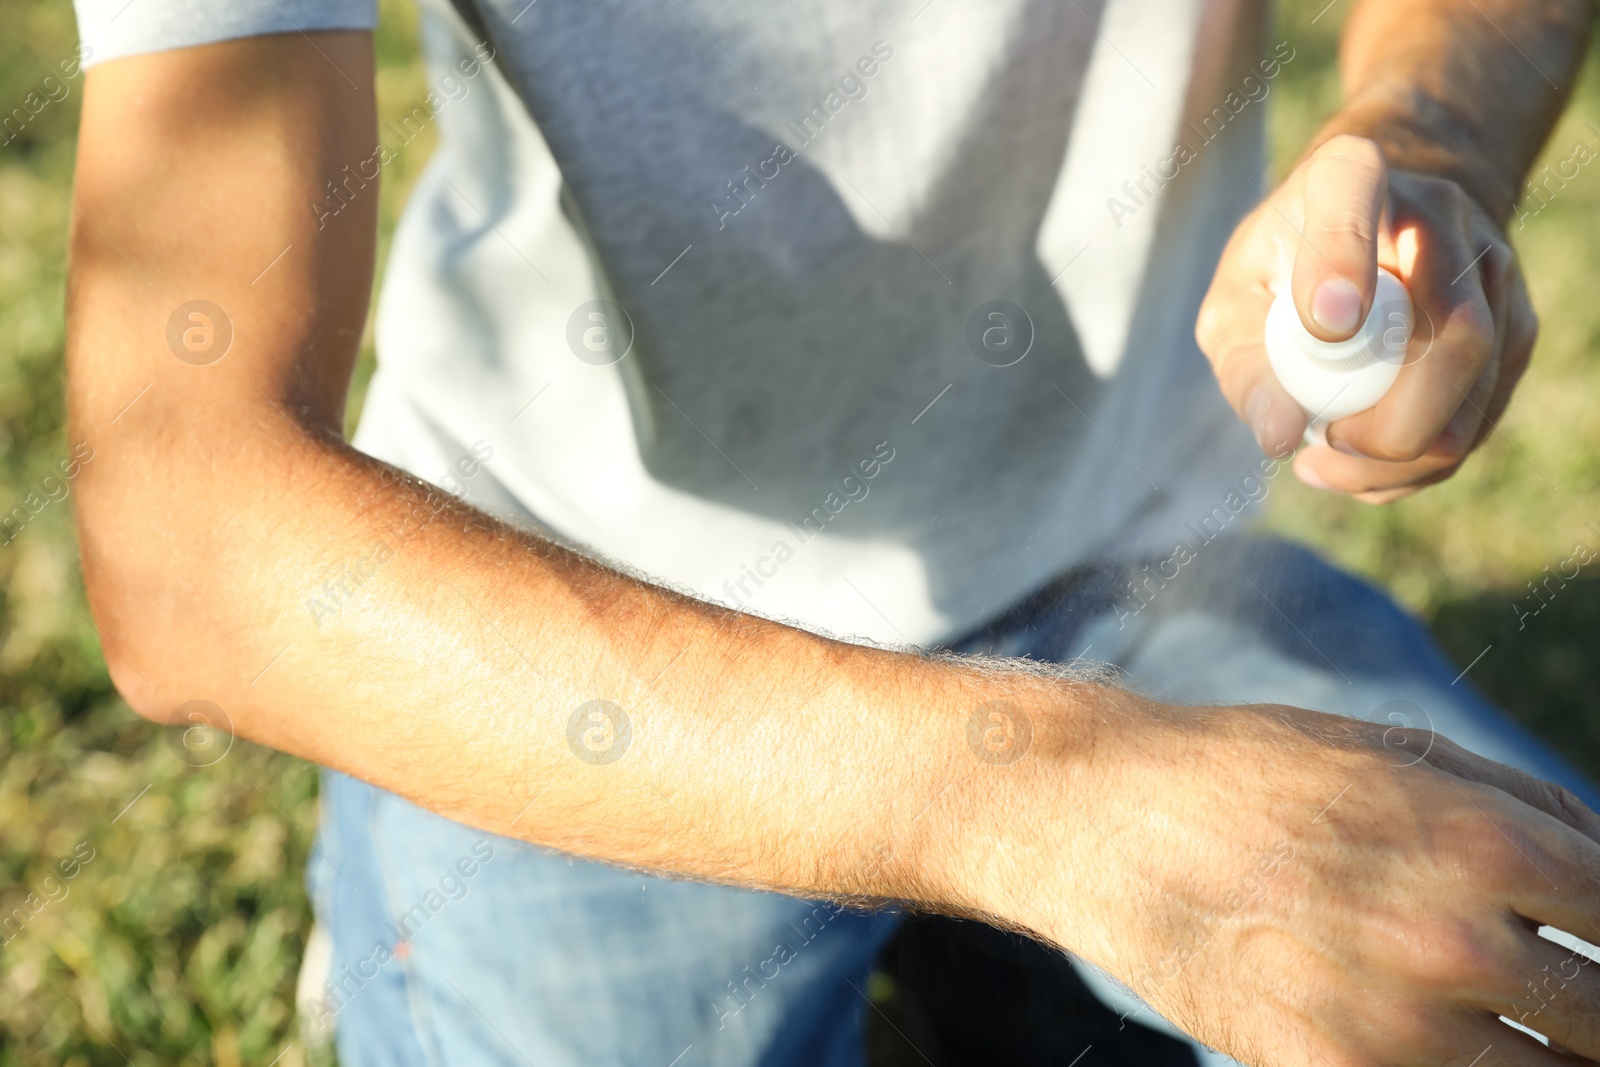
point(1414, 742)
point(1418, 1032)
point(1562, 800)
point(1430, 199)
point(1486, 847)
point(1394, 444)
point(1450, 450)
point(1442, 199)
point(1444, 749)
point(1344, 225)
point(1500, 262)
point(1446, 189)
point(1524, 333)
point(1457, 439)
point(1480, 846)
point(1349, 148)
point(1469, 350)
point(1476, 343)
point(1464, 955)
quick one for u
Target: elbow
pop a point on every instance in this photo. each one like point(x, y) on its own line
point(131, 656)
point(179, 585)
point(134, 686)
point(125, 580)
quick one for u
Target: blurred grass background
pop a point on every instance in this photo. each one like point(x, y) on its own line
point(178, 942)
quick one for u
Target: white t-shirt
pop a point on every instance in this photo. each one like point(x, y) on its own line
point(871, 315)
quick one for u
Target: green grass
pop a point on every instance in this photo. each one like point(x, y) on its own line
point(178, 943)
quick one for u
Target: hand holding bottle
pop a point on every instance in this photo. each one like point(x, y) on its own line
point(1341, 215)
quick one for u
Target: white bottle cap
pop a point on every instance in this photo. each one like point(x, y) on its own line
point(1333, 379)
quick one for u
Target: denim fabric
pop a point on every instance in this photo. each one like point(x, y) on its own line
point(453, 947)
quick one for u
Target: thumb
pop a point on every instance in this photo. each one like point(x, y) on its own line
point(1336, 263)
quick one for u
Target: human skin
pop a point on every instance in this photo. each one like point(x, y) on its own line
point(1446, 104)
point(763, 756)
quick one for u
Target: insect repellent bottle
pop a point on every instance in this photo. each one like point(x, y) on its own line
point(1333, 379)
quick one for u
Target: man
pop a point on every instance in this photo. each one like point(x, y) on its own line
point(875, 318)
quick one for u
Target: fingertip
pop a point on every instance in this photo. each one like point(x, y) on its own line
point(1308, 475)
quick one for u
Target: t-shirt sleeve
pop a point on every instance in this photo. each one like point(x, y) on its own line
point(112, 28)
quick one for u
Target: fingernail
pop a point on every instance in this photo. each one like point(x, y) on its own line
point(1336, 306)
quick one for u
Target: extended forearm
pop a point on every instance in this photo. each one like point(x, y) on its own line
point(730, 748)
point(476, 669)
point(1461, 89)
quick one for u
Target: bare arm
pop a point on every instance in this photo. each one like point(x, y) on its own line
point(1461, 89)
point(220, 495)
point(224, 495)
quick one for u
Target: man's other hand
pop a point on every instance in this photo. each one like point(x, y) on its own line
point(1297, 889)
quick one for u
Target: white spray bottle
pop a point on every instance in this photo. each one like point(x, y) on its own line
point(1333, 379)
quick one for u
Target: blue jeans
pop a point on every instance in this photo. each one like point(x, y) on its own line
point(451, 947)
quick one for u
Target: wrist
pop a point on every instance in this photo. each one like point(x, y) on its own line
point(1420, 133)
point(1022, 827)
